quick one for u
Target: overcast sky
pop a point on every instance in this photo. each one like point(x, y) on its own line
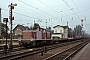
point(56, 12)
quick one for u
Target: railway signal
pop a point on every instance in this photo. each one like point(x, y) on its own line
point(82, 35)
point(5, 46)
point(11, 18)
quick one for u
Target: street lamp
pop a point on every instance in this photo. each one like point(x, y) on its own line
point(11, 18)
point(6, 20)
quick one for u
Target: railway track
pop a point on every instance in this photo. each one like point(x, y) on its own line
point(68, 53)
point(15, 48)
point(32, 52)
point(18, 48)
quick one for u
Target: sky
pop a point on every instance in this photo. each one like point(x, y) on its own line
point(54, 12)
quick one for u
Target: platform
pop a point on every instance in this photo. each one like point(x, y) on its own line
point(84, 54)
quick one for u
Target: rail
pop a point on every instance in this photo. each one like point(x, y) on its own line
point(23, 54)
point(60, 53)
point(70, 55)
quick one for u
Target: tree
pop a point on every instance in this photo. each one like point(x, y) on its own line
point(31, 27)
point(48, 29)
point(36, 25)
point(78, 30)
point(70, 32)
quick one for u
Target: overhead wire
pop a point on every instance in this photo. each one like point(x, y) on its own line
point(21, 14)
point(48, 6)
point(52, 18)
point(76, 6)
point(24, 7)
point(27, 8)
point(71, 8)
point(36, 18)
point(77, 12)
point(29, 16)
point(25, 15)
point(35, 8)
point(52, 8)
point(81, 7)
point(30, 10)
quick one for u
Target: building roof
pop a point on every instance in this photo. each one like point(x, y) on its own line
point(61, 26)
point(22, 27)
